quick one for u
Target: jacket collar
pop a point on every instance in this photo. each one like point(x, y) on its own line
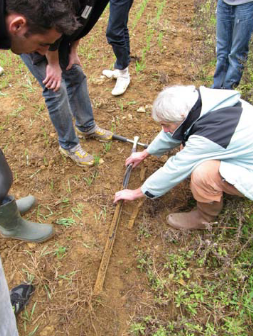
point(5, 42)
point(193, 115)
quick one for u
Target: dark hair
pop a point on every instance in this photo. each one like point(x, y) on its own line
point(42, 15)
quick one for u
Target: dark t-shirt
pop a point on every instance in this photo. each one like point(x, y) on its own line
point(5, 42)
point(88, 12)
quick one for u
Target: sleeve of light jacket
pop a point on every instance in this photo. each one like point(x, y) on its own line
point(162, 143)
point(180, 166)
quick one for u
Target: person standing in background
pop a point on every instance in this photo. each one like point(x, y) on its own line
point(233, 32)
point(118, 37)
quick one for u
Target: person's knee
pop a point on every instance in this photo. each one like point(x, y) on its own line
point(206, 181)
point(205, 169)
point(79, 75)
point(113, 34)
point(52, 97)
point(198, 173)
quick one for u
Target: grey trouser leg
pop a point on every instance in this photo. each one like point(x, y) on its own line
point(8, 325)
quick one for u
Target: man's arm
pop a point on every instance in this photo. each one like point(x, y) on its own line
point(73, 56)
point(53, 71)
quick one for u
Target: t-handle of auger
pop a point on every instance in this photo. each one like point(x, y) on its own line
point(124, 139)
point(130, 166)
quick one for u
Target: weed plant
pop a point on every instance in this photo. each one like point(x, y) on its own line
point(202, 283)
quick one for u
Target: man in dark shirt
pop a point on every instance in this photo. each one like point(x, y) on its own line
point(28, 26)
point(25, 26)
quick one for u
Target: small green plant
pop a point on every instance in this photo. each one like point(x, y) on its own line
point(27, 318)
point(121, 105)
point(30, 277)
point(68, 276)
point(140, 12)
point(60, 251)
point(34, 331)
point(137, 329)
point(160, 40)
point(89, 180)
point(78, 210)
point(96, 159)
point(144, 231)
point(107, 146)
point(51, 184)
point(101, 215)
point(66, 222)
point(140, 66)
point(48, 291)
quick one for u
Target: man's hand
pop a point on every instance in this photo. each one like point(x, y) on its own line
point(73, 56)
point(136, 158)
point(53, 77)
point(53, 71)
point(128, 195)
point(73, 59)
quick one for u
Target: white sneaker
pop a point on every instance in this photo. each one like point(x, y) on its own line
point(121, 85)
point(1, 70)
point(111, 73)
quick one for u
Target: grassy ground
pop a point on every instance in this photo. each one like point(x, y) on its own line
point(202, 283)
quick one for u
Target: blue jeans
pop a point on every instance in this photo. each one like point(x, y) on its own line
point(117, 32)
point(234, 29)
point(71, 100)
point(8, 325)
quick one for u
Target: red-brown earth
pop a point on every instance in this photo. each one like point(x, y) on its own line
point(65, 268)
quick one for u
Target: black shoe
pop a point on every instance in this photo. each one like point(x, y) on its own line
point(20, 296)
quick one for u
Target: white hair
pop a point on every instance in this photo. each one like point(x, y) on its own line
point(174, 103)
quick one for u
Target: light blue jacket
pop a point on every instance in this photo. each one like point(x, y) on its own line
point(221, 129)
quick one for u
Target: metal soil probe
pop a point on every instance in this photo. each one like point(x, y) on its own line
point(112, 231)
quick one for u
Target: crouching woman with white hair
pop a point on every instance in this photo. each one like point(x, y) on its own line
point(216, 129)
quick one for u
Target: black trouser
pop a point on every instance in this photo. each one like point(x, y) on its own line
point(6, 177)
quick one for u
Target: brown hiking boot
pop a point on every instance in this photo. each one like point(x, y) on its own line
point(196, 219)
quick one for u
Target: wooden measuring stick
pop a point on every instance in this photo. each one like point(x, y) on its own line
point(112, 233)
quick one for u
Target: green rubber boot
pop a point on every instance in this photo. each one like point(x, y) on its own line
point(12, 225)
point(25, 204)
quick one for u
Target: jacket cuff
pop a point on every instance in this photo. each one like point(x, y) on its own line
point(147, 193)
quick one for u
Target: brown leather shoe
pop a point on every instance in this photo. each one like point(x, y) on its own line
point(196, 219)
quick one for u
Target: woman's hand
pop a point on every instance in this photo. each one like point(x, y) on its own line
point(136, 158)
point(128, 195)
